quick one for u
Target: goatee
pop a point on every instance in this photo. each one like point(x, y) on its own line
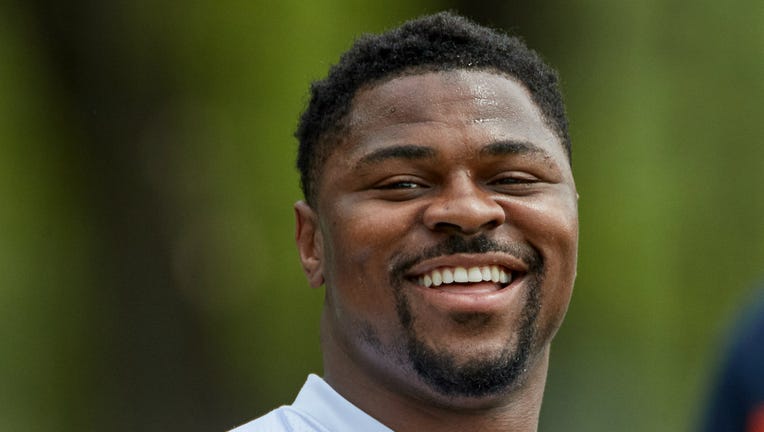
point(479, 377)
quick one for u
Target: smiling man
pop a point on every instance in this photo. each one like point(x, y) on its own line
point(440, 213)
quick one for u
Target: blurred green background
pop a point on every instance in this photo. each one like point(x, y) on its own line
point(148, 279)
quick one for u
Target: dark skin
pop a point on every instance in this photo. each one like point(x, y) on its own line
point(429, 156)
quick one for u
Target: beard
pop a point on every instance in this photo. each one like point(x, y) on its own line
point(486, 375)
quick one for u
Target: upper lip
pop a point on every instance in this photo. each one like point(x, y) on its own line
point(509, 262)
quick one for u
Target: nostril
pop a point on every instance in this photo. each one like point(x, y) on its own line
point(448, 226)
point(465, 225)
point(460, 229)
point(491, 224)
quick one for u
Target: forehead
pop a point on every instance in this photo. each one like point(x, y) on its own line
point(449, 103)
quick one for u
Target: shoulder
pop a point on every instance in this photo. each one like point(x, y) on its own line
point(284, 419)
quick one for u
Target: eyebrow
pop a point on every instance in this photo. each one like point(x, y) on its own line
point(507, 148)
point(416, 152)
point(408, 152)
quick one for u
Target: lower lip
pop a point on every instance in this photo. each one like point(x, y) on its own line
point(475, 298)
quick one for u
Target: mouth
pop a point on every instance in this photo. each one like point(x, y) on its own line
point(469, 274)
point(486, 277)
point(492, 282)
point(469, 288)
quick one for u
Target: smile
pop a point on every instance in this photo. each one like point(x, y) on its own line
point(450, 275)
point(489, 282)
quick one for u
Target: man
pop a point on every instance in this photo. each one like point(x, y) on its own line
point(440, 213)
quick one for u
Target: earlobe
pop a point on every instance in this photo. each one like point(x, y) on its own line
point(310, 243)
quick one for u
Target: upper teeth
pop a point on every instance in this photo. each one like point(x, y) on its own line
point(447, 275)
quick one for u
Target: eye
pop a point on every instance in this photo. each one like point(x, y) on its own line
point(514, 182)
point(404, 184)
point(400, 188)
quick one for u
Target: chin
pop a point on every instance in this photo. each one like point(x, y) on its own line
point(492, 372)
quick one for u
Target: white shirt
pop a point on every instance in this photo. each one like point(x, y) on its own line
point(317, 408)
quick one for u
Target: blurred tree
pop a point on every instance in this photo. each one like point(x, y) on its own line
point(113, 83)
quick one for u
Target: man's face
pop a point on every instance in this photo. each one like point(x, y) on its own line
point(446, 234)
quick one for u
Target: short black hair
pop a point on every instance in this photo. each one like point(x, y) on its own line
point(434, 43)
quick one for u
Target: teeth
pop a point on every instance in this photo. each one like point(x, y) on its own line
point(448, 275)
point(460, 275)
point(486, 273)
point(475, 275)
point(503, 277)
point(437, 278)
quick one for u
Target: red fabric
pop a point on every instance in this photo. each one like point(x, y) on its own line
point(756, 420)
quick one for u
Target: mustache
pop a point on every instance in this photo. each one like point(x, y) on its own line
point(455, 244)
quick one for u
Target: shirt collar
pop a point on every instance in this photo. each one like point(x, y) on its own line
point(319, 400)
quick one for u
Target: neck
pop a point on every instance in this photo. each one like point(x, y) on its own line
point(394, 401)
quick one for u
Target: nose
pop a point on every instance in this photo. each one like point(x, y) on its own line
point(464, 207)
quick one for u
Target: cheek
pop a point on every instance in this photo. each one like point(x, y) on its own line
point(360, 242)
point(551, 226)
point(364, 235)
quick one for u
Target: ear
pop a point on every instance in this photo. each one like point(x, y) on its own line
point(310, 243)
